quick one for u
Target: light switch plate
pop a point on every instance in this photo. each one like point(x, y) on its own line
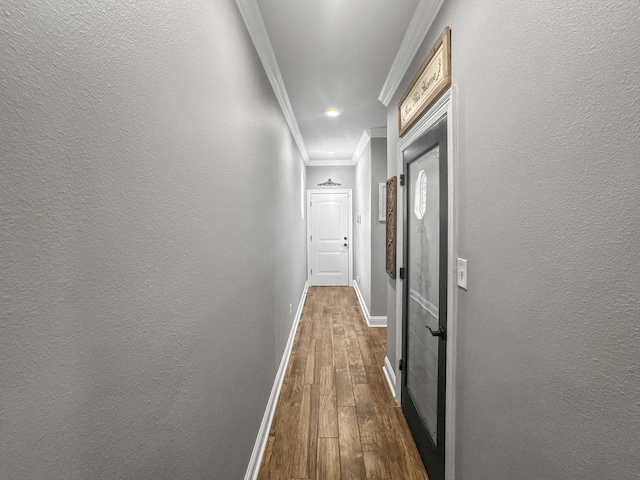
point(461, 273)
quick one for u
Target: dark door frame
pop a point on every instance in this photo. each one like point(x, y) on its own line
point(444, 105)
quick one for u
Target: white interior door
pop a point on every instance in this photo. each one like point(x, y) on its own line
point(329, 238)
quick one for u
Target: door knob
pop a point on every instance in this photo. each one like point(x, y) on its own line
point(345, 238)
point(345, 245)
point(438, 333)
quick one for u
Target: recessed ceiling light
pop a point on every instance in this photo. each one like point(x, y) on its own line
point(332, 112)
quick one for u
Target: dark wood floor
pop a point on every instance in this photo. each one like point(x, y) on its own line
point(336, 418)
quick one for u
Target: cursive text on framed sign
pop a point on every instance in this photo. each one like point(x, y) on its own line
point(433, 77)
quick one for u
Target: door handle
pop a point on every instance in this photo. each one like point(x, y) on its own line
point(345, 245)
point(438, 333)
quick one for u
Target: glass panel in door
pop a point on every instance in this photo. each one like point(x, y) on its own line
point(423, 287)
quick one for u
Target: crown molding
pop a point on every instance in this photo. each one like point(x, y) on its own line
point(330, 163)
point(254, 22)
point(362, 144)
point(367, 135)
point(420, 23)
point(379, 132)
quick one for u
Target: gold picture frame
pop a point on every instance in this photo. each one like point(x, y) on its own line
point(433, 78)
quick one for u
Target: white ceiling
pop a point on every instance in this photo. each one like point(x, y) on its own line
point(320, 54)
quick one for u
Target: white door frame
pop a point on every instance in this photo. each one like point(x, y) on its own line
point(445, 105)
point(350, 221)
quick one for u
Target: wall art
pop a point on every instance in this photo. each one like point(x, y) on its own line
point(392, 188)
point(382, 202)
point(433, 78)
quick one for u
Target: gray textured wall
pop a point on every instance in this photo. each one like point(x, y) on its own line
point(343, 175)
point(370, 244)
point(548, 132)
point(362, 231)
point(378, 230)
point(146, 170)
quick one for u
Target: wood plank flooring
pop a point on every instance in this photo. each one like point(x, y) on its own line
point(335, 418)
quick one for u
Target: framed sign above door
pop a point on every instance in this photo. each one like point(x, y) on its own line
point(433, 77)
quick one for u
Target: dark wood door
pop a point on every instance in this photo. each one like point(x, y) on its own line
point(425, 295)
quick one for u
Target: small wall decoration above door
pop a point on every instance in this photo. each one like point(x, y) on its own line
point(433, 77)
point(329, 183)
point(392, 185)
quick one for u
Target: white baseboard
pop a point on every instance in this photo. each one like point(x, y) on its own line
point(378, 321)
point(372, 321)
point(390, 375)
point(263, 433)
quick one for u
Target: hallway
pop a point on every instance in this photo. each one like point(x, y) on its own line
point(336, 418)
point(155, 159)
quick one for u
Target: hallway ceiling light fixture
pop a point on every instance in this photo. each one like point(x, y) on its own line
point(331, 152)
point(333, 112)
